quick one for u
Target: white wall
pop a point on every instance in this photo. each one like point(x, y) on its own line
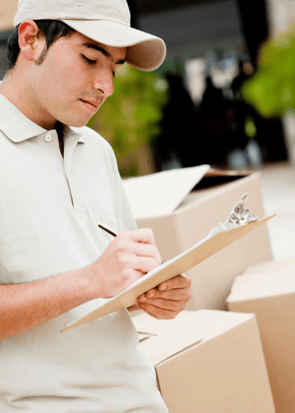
point(7, 12)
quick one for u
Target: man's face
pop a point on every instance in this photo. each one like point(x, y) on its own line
point(73, 81)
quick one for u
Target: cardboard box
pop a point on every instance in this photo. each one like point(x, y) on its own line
point(270, 294)
point(148, 327)
point(271, 267)
point(210, 361)
point(188, 212)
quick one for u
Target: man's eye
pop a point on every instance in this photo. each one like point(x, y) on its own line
point(89, 61)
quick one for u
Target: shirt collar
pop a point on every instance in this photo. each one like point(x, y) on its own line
point(18, 128)
point(74, 131)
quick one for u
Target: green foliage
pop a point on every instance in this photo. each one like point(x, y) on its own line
point(250, 128)
point(272, 88)
point(131, 115)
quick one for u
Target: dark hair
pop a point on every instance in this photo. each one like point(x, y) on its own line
point(52, 30)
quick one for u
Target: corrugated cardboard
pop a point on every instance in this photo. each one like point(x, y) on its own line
point(224, 372)
point(194, 217)
point(270, 294)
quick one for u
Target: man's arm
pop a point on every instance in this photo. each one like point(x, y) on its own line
point(24, 306)
point(126, 259)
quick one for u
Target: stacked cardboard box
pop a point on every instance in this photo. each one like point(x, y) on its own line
point(183, 206)
point(268, 291)
point(208, 361)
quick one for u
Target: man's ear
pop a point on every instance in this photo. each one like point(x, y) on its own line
point(30, 45)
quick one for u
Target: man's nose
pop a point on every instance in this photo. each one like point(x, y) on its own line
point(105, 83)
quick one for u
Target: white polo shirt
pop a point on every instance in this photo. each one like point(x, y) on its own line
point(50, 207)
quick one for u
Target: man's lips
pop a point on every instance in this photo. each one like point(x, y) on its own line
point(92, 105)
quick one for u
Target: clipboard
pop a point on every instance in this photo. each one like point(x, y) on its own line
point(217, 239)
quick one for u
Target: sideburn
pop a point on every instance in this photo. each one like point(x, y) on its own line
point(42, 56)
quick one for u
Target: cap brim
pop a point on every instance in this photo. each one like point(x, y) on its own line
point(145, 51)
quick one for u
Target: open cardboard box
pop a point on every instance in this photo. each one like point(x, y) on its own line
point(182, 206)
point(208, 361)
point(268, 290)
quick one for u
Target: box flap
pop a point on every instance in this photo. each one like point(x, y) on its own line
point(160, 193)
point(261, 285)
point(199, 326)
point(171, 342)
point(146, 324)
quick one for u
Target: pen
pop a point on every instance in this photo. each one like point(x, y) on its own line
point(108, 230)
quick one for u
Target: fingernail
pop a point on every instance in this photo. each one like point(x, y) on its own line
point(162, 287)
point(150, 294)
point(142, 298)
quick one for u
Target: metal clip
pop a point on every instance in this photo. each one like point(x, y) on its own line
point(240, 214)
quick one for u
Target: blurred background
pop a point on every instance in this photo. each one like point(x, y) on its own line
point(191, 111)
point(225, 95)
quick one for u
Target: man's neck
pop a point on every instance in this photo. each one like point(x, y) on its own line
point(15, 89)
point(6, 89)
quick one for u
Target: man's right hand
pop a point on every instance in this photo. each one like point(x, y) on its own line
point(125, 260)
point(131, 255)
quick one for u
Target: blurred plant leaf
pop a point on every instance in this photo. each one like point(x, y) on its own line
point(271, 90)
point(132, 114)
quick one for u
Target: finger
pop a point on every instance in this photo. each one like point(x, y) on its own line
point(146, 250)
point(144, 235)
point(168, 293)
point(180, 281)
point(145, 264)
point(159, 313)
point(175, 295)
point(163, 304)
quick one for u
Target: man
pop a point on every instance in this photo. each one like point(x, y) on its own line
point(59, 179)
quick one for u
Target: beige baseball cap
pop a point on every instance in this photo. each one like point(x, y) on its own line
point(105, 21)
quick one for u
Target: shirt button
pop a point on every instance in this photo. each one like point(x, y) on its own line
point(48, 138)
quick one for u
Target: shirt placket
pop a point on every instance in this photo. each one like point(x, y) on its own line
point(70, 143)
point(52, 143)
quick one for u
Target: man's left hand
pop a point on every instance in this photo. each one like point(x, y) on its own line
point(168, 299)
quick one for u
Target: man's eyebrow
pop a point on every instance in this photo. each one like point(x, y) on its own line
point(100, 49)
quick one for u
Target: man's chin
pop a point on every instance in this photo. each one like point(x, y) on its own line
point(77, 122)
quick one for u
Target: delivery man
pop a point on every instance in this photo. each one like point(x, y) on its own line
point(59, 180)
